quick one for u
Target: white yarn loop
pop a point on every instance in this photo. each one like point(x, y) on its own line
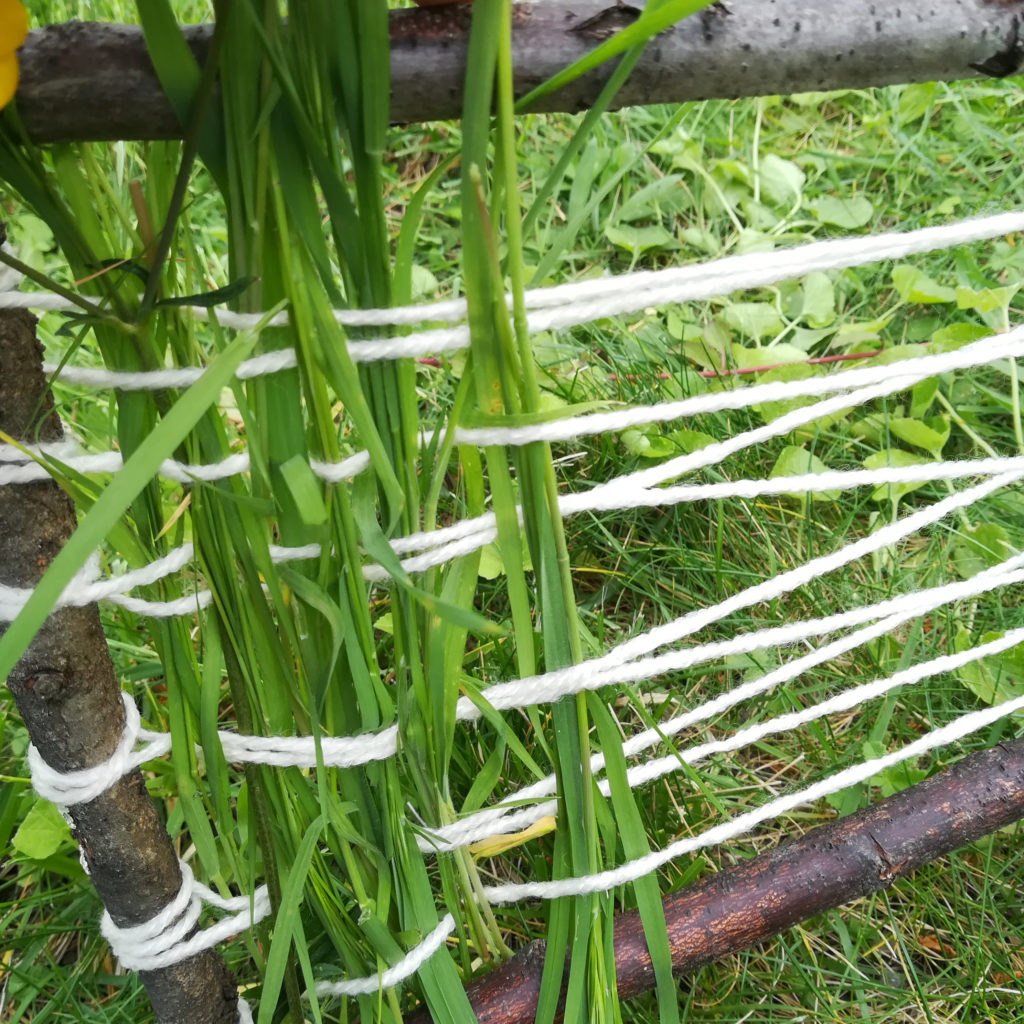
point(511, 816)
point(903, 372)
point(167, 938)
point(592, 674)
point(78, 787)
point(564, 305)
point(604, 881)
point(405, 968)
point(19, 468)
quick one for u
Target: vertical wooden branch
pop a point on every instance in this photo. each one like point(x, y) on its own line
point(69, 699)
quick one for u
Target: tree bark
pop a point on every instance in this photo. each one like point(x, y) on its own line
point(83, 81)
point(70, 701)
point(825, 868)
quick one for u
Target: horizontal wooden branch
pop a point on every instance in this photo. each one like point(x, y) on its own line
point(823, 869)
point(83, 81)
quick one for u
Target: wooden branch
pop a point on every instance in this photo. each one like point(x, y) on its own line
point(85, 81)
point(825, 868)
point(66, 693)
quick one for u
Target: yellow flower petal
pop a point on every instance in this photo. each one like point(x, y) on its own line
point(13, 26)
point(8, 78)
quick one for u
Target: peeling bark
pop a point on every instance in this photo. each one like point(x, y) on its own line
point(823, 869)
point(84, 81)
point(69, 699)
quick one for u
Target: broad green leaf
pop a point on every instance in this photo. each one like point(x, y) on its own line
point(635, 441)
point(915, 100)
point(796, 461)
point(753, 319)
point(492, 565)
point(913, 285)
point(986, 300)
point(921, 397)
point(980, 547)
point(782, 181)
point(894, 778)
point(948, 339)
point(42, 833)
point(931, 435)
point(712, 350)
point(844, 213)
point(639, 239)
point(819, 305)
point(648, 202)
point(691, 440)
point(994, 679)
point(772, 355)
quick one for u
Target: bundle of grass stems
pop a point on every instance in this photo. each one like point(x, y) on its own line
point(287, 123)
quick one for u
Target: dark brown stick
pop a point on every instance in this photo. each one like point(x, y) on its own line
point(86, 81)
point(67, 695)
point(829, 866)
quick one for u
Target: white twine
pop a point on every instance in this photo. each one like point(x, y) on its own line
point(86, 589)
point(511, 816)
point(350, 751)
point(166, 938)
point(20, 468)
point(604, 881)
point(405, 968)
point(616, 495)
point(649, 771)
point(592, 674)
point(986, 350)
point(66, 789)
point(564, 305)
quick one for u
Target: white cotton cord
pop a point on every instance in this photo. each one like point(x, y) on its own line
point(590, 674)
point(604, 881)
point(85, 589)
point(621, 491)
point(477, 532)
point(649, 771)
point(24, 451)
point(18, 468)
point(13, 599)
point(66, 789)
point(300, 751)
point(987, 350)
point(586, 301)
point(165, 939)
point(836, 254)
point(405, 968)
point(336, 472)
point(190, 604)
point(511, 816)
point(158, 380)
